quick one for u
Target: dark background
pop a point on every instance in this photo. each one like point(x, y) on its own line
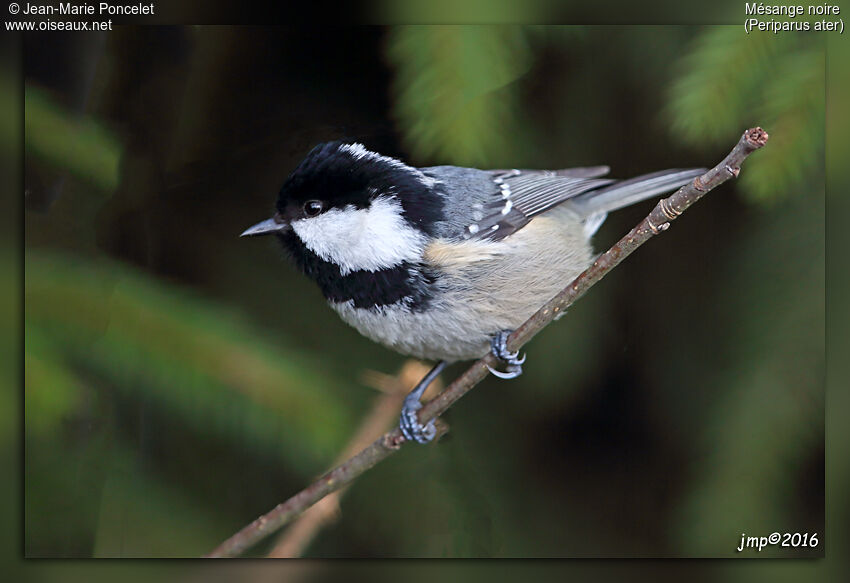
point(180, 381)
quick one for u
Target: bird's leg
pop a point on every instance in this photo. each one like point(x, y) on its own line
point(409, 421)
point(513, 361)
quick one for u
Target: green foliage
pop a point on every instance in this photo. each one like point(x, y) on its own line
point(9, 104)
point(102, 321)
point(157, 421)
point(771, 417)
point(455, 97)
point(730, 81)
point(447, 11)
point(53, 392)
point(9, 350)
point(171, 523)
point(77, 144)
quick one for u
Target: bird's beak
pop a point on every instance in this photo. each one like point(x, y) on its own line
point(265, 228)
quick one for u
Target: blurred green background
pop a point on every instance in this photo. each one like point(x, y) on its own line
point(180, 381)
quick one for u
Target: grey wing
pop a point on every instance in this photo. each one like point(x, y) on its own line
point(496, 203)
point(519, 195)
point(578, 172)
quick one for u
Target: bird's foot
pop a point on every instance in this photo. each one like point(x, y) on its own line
point(512, 360)
point(409, 423)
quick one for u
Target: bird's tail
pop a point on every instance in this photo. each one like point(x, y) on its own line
point(628, 192)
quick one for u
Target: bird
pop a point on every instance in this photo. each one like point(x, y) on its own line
point(441, 263)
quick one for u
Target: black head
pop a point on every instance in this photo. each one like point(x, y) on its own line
point(357, 222)
point(336, 175)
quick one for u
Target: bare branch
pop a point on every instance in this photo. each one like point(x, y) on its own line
point(383, 414)
point(658, 221)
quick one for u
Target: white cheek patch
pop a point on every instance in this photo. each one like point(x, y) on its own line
point(362, 239)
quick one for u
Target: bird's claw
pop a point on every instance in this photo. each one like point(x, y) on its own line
point(408, 422)
point(513, 361)
point(410, 426)
point(510, 372)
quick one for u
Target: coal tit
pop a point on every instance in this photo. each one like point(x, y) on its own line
point(441, 263)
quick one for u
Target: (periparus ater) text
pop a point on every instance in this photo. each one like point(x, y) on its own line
point(794, 18)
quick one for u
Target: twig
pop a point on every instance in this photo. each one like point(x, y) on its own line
point(657, 221)
point(383, 414)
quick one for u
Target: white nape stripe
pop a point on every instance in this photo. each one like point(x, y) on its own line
point(368, 239)
point(359, 152)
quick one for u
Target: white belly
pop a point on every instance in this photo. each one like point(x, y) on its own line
point(484, 287)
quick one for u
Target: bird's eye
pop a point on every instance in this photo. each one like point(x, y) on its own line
point(313, 207)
